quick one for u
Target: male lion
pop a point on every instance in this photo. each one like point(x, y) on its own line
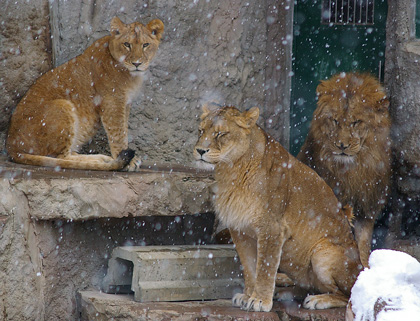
point(348, 145)
point(65, 107)
point(280, 213)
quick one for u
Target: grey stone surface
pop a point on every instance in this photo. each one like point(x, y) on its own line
point(175, 273)
point(401, 80)
point(77, 195)
point(25, 52)
point(100, 306)
point(58, 229)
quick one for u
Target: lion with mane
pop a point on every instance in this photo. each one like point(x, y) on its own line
point(349, 146)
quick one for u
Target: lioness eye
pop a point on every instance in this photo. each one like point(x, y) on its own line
point(127, 44)
point(145, 45)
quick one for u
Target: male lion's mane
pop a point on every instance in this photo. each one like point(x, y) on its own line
point(358, 103)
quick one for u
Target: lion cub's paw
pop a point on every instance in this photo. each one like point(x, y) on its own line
point(239, 299)
point(323, 301)
point(257, 304)
point(134, 164)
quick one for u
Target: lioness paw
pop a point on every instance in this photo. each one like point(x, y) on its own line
point(258, 305)
point(239, 299)
point(323, 301)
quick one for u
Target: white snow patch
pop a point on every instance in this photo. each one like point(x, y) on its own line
point(392, 280)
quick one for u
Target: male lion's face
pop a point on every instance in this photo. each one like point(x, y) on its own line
point(223, 135)
point(345, 131)
point(135, 45)
point(351, 111)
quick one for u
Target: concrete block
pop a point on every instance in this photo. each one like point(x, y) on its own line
point(174, 273)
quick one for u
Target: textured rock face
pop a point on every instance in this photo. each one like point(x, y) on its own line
point(57, 230)
point(25, 52)
point(401, 80)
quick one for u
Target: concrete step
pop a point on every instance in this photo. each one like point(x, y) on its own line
point(98, 306)
point(174, 273)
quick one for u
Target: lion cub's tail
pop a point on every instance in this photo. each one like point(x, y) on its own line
point(87, 162)
point(348, 211)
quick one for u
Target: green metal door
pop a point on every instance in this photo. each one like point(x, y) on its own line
point(332, 36)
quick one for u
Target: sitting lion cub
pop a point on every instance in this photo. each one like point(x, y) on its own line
point(65, 107)
point(280, 213)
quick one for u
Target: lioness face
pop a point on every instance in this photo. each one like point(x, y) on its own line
point(135, 45)
point(223, 135)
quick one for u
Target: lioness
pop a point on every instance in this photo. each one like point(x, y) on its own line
point(280, 213)
point(349, 146)
point(65, 107)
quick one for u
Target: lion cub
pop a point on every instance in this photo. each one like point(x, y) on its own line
point(65, 107)
point(280, 213)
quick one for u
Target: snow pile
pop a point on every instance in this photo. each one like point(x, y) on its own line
point(389, 290)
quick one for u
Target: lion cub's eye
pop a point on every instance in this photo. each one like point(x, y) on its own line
point(200, 132)
point(127, 44)
point(145, 45)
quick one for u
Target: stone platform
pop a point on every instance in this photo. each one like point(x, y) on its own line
point(97, 306)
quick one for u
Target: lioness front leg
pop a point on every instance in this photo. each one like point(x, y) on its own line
point(247, 251)
point(269, 249)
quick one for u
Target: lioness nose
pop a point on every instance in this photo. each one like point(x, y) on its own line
point(136, 64)
point(202, 151)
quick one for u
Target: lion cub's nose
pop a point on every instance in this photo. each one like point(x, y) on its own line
point(202, 151)
point(136, 64)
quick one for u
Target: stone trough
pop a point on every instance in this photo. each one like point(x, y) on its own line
point(174, 273)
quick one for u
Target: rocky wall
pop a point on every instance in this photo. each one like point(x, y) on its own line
point(25, 52)
point(401, 80)
point(58, 229)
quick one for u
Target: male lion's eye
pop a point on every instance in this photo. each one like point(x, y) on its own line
point(145, 45)
point(127, 44)
point(355, 123)
point(335, 121)
point(220, 134)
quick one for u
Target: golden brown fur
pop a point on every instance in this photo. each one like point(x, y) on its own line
point(280, 213)
point(348, 145)
point(65, 107)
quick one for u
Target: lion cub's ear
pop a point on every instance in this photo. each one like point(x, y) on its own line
point(117, 26)
point(156, 27)
point(248, 118)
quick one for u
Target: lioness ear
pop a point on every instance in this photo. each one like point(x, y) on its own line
point(249, 118)
point(116, 26)
point(209, 107)
point(156, 27)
